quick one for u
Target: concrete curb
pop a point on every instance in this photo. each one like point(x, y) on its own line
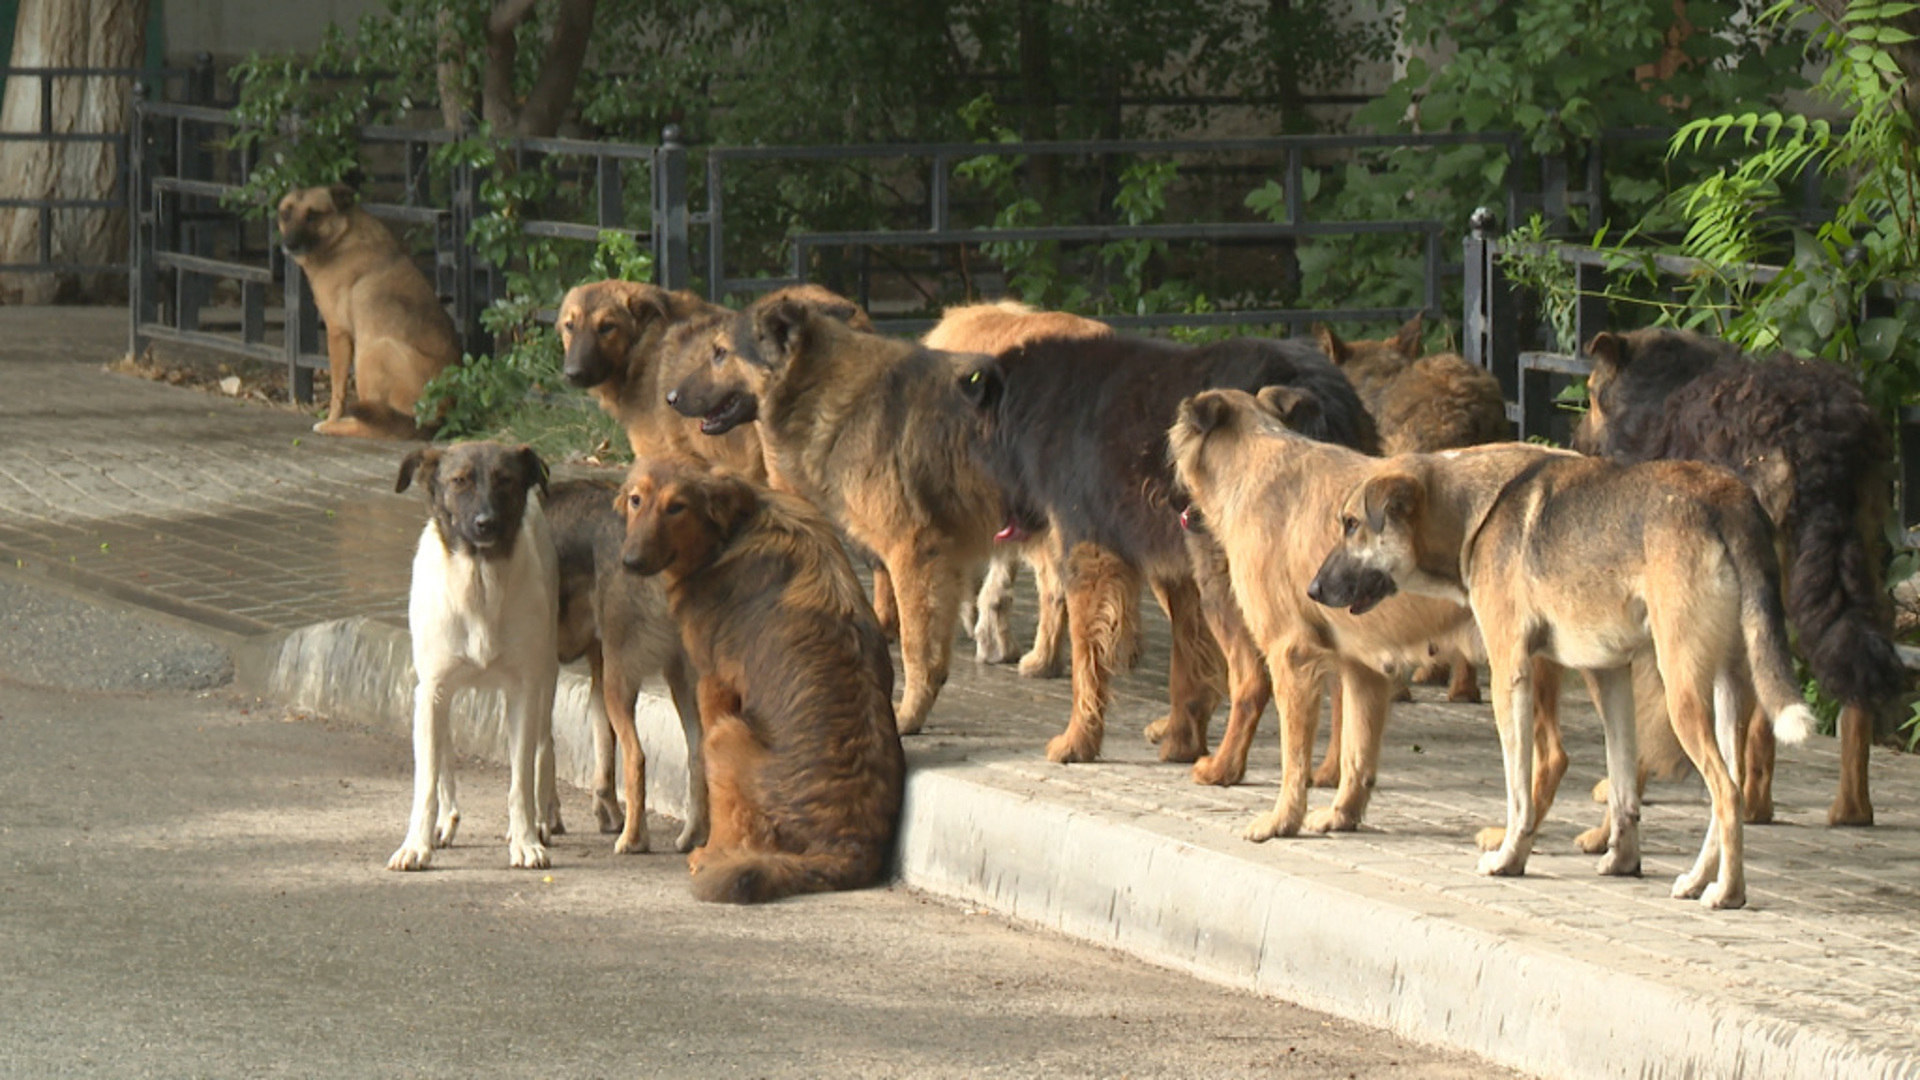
point(1400, 962)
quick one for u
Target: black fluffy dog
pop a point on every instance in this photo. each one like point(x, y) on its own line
point(1802, 435)
point(1074, 432)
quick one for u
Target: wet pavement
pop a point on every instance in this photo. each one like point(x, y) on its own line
point(233, 516)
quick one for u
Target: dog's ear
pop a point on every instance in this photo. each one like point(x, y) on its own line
point(982, 386)
point(421, 463)
point(1290, 405)
point(730, 502)
point(1407, 341)
point(1207, 412)
point(1393, 496)
point(1609, 348)
point(782, 327)
point(1330, 343)
point(536, 470)
point(343, 197)
point(647, 303)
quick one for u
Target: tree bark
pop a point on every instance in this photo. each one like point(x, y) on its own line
point(67, 33)
point(546, 105)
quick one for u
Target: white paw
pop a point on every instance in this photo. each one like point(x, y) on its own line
point(631, 845)
point(1719, 896)
point(1617, 863)
point(1689, 885)
point(1267, 826)
point(410, 857)
point(688, 839)
point(527, 855)
point(1503, 863)
point(445, 828)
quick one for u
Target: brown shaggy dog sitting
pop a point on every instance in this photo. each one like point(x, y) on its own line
point(804, 768)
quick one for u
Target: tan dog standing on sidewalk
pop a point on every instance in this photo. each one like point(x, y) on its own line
point(483, 614)
point(384, 323)
point(1591, 564)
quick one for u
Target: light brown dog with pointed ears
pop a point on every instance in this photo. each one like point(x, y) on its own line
point(1270, 498)
point(384, 323)
point(1591, 563)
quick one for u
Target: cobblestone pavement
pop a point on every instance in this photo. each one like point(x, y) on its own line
point(235, 516)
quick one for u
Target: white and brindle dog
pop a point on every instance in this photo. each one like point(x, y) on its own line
point(483, 613)
point(1593, 565)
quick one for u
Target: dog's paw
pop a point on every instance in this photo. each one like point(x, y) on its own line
point(527, 855)
point(445, 828)
point(1332, 819)
point(606, 811)
point(1217, 771)
point(1503, 863)
point(1038, 665)
point(691, 836)
point(1720, 896)
point(1066, 749)
point(1618, 862)
point(636, 844)
point(1689, 886)
point(1327, 775)
point(410, 857)
point(1267, 826)
point(1594, 840)
point(1156, 731)
point(990, 640)
point(1602, 790)
point(1490, 838)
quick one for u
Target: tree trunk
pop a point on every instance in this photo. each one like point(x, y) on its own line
point(546, 104)
point(67, 33)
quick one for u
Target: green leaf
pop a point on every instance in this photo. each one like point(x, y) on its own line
point(1879, 337)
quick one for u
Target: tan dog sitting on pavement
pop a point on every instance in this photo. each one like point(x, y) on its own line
point(483, 614)
point(796, 687)
point(1591, 564)
point(384, 323)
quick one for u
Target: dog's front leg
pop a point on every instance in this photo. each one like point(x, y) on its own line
point(618, 701)
point(339, 364)
point(1249, 686)
point(926, 586)
point(434, 819)
point(992, 615)
point(1102, 604)
point(1364, 694)
point(1512, 682)
point(528, 723)
point(684, 687)
point(606, 752)
point(1612, 693)
point(1195, 673)
point(1297, 670)
point(1050, 650)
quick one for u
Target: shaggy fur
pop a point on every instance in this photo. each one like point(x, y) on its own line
point(1075, 437)
point(1245, 470)
point(874, 431)
point(1802, 435)
point(803, 761)
point(1591, 564)
point(993, 329)
point(619, 623)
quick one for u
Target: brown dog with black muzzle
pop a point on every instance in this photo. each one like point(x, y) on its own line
point(804, 767)
point(1590, 563)
point(385, 325)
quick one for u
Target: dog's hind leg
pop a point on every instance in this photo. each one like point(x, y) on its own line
point(619, 701)
point(1363, 714)
point(1718, 876)
point(1549, 761)
point(1103, 597)
point(1759, 772)
point(432, 780)
point(684, 687)
point(926, 585)
point(1851, 805)
point(1195, 675)
point(1249, 684)
point(1051, 651)
point(992, 613)
point(606, 751)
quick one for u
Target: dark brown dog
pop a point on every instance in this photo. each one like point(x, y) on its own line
point(803, 761)
point(620, 624)
point(1421, 404)
point(875, 432)
point(384, 323)
point(1075, 435)
point(993, 329)
point(1802, 435)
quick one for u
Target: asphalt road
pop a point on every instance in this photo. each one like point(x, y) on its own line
point(192, 884)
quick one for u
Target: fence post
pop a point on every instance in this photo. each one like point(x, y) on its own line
point(1487, 328)
point(141, 279)
point(301, 332)
point(672, 255)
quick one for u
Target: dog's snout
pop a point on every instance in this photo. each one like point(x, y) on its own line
point(673, 396)
point(1316, 590)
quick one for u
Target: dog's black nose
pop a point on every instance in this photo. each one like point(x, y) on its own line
point(1315, 592)
point(673, 396)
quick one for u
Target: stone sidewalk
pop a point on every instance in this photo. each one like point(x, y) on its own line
point(234, 517)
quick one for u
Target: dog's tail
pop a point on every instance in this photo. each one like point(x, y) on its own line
point(1763, 624)
point(757, 877)
point(1836, 603)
